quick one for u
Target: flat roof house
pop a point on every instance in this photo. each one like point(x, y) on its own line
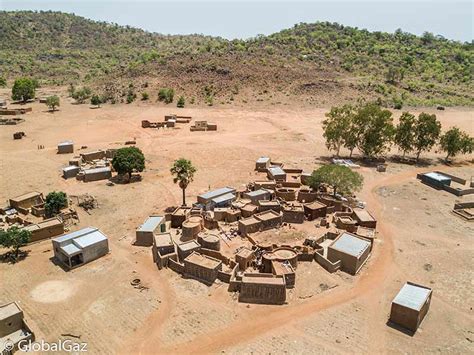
point(262, 164)
point(95, 174)
point(351, 250)
point(434, 179)
point(260, 288)
point(202, 267)
point(364, 218)
point(45, 229)
point(13, 328)
point(27, 200)
point(222, 197)
point(152, 225)
point(65, 147)
point(258, 195)
point(276, 173)
point(80, 247)
point(410, 306)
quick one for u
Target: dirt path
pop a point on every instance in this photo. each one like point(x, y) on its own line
point(257, 322)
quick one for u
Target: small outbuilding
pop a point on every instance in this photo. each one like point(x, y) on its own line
point(262, 288)
point(80, 247)
point(48, 228)
point(13, 328)
point(435, 179)
point(96, 174)
point(276, 173)
point(410, 306)
point(66, 147)
point(71, 171)
point(144, 233)
point(315, 210)
point(258, 195)
point(187, 248)
point(364, 218)
point(262, 164)
point(26, 201)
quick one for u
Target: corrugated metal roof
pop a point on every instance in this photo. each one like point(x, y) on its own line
point(71, 168)
point(351, 245)
point(70, 249)
point(75, 234)
point(276, 170)
point(258, 193)
point(216, 193)
point(412, 296)
point(97, 170)
point(151, 224)
point(89, 239)
point(223, 198)
point(263, 160)
point(65, 143)
point(437, 176)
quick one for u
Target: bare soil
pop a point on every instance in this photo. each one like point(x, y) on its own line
point(418, 240)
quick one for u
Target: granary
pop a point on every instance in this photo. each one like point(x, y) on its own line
point(45, 229)
point(364, 218)
point(65, 147)
point(71, 171)
point(351, 250)
point(24, 202)
point(315, 210)
point(96, 174)
point(163, 248)
point(144, 233)
point(258, 195)
point(435, 179)
point(80, 247)
point(244, 258)
point(276, 173)
point(232, 215)
point(262, 164)
point(410, 306)
point(262, 288)
point(187, 248)
point(209, 241)
point(202, 267)
point(191, 227)
point(306, 195)
point(269, 219)
point(249, 225)
point(222, 197)
point(13, 328)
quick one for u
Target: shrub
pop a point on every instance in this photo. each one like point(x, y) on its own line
point(55, 201)
point(166, 95)
point(145, 96)
point(52, 102)
point(24, 89)
point(181, 102)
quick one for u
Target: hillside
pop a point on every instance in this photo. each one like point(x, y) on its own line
point(317, 63)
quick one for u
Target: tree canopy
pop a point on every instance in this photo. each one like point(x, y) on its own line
point(341, 178)
point(404, 133)
point(183, 174)
point(455, 142)
point(14, 238)
point(128, 160)
point(55, 201)
point(24, 89)
point(338, 129)
point(426, 133)
point(52, 102)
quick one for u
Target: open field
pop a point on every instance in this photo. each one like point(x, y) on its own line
point(418, 240)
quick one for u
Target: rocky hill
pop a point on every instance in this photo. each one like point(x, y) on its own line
point(317, 63)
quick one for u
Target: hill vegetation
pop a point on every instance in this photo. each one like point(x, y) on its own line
point(316, 63)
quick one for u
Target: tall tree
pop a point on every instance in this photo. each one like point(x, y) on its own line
point(55, 201)
point(183, 172)
point(337, 126)
point(455, 141)
point(427, 131)
point(52, 102)
point(128, 160)
point(404, 133)
point(341, 178)
point(14, 238)
point(375, 129)
point(24, 89)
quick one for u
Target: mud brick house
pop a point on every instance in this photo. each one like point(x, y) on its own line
point(351, 250)
point(202, 267)
point(144, 233)
point(80, 247)
point(96, 174)
point(45, 229)
point(163, 249)
point(244, 258)
point(24, 202)
point(13, 327)
point(249, 225)
point(410, 306)
point(262, 164)
point(262, 288)
point(286, 271)
point(187, 248)
point(293, 214)
point(269, 205)
point(315, 210)
point(258, 195)
point(71, 171)
point(364, 218)
point(269, 219)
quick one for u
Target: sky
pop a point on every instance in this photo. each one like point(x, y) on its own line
point(245, 18)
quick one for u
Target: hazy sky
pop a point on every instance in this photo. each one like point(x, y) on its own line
point(243, 19)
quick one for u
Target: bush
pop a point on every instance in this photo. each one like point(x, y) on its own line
point(82, 94)
point(3, 82)
point(127, 160)
point(24, 89)
point(145, 96)
point(52, 102)
point(131, 96)
point(55, 201)
point(96, 100)
point(181, 102)
point(166, 95)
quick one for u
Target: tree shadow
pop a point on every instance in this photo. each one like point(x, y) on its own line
point(123, 179)
point(9, 257)
point(400, 328)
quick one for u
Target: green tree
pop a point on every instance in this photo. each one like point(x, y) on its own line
point(14, 238)
point(181, 102)
point(52, 102)
point(3, 82)
point(337, 126)
point(96, 100)
point(341, 178)
point(374, 128)
point(404, 133)
point(82, 94)
point(166, 95)
point(24, 89)
point(455, 141)
point(427, 131)
point(183, 171)
point(55, 201)
point(128, 160)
